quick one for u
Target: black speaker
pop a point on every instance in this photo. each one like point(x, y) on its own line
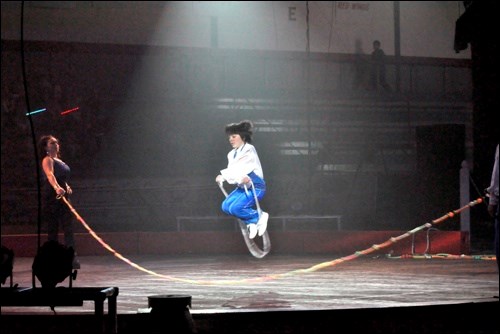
point(7, 264)
point(440, 153)
point(53, 263)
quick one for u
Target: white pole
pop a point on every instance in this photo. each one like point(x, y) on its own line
point(464, 199)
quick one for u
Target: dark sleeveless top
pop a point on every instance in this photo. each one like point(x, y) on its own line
point(61, 172)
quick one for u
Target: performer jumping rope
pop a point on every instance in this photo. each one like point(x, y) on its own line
point(245, 171)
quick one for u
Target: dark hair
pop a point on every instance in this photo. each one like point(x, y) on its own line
point(42, 144)
point(243, 128)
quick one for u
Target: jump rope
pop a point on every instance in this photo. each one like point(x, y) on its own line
point(323, 265)
point(253, 247)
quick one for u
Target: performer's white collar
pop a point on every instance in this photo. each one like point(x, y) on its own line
point(238, 148)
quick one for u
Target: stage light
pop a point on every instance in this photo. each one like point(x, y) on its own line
point(6, 265)
point(53, 263)
point(36, 111)
point(69, 111)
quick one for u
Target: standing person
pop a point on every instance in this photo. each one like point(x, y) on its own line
point(56, 213)
point(245, 171)
point(377, 74)
point(493, 207)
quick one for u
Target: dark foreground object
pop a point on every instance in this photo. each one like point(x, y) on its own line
point(460, 318)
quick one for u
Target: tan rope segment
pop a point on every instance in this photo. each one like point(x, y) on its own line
point(316, 267)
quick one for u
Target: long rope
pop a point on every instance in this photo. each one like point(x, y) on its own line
point(314, 268)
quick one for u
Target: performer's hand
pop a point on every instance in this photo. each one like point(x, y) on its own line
point(219, 179)
point(245, 180)
point(60, 191)
point(69, 190)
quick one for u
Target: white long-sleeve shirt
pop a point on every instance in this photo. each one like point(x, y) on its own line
point(241, 162)
point(493, 188)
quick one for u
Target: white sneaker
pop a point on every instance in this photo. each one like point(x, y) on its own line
point(252, 230)
point(262, 223)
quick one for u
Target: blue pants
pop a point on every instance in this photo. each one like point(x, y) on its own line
point(241, 204)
